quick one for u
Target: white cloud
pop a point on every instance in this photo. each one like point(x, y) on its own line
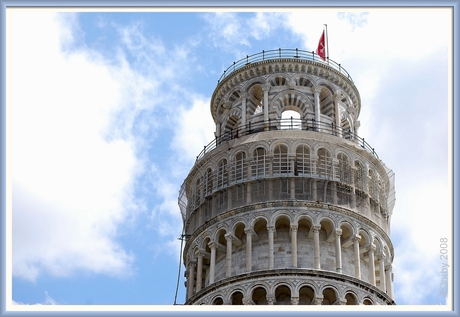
point(71, 182)
point(195, 128)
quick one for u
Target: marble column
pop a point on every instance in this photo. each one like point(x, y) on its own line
point(266, 88)
point(294, 229)
point(229, 238)
point(199, 271)
point(318, 300)
point(338, 251)
point(271, 234)
point(388, 279)
point(316, 92)
point(356, 240)
point(248, 249)
point(191, 279)
point(244, 96)
point(295, 300)
point(212, 268)
point(381, 258)
point(371, 249)
point(314, 190)
point(316, 230)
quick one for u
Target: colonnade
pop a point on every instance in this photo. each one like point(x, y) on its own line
point(385, 278)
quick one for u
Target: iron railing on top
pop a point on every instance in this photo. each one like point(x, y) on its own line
point(283, 53)
point(286, 124)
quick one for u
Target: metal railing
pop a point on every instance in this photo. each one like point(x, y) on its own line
point(286, 124)
point(282, 53)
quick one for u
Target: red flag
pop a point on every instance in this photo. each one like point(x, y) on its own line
point(321, 50)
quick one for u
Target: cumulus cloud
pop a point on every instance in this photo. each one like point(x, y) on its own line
point(72, 179)
point(234, 32)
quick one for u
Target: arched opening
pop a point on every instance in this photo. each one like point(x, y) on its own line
point(324, 166)
point(231, 128)
point(305, 248)
point(197, 193)
point(302, 166)
point(282, 245)
point(239, 247)
point(280, 160)
point(221, 253)
point(259, 296)
point(367, 301)
point(306, 295)
point(260, 165)
point(237, 298)
point(351, 299)
point(283, 295)
point(326, 103)
point(360, 186)
point(326, 238)
point(255, 100)
point(208, 182)
point(218, 301)
point(290, 120)
point(239, 168)
point(222, 174)
point(329, 296)
point(260, 244)
point(278, 81)
point(346, 248)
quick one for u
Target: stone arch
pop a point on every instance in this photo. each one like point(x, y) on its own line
point(278, 79)
point(219, 233)
point(231, 124)
point(306, 294)
point(348, 232)
point(366, 237)
point(304, 81)
point(324, 165)
point(280, 163)
point(326, 102)
point(260, 166)
point(236, 297)
point(255, 99)
point(234, 94)
point(208, 181)
point(367, 301)
point(388, 255)
point(302, 163)
point(292, 100)
point(252, 149)
point(378, 244)
point(282, 293)
point(236, 223)
point(259, 294)
point(351, 298)
point(280, 215)
point(217, 300)
point(239, 175)
point(330, 295)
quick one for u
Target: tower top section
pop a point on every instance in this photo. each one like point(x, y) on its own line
point(281, 67)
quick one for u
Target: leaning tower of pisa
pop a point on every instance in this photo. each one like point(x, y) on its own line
point(287, 205)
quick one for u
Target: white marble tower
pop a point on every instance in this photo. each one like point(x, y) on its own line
point(287, 205)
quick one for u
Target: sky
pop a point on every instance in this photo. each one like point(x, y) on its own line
point(107, 111)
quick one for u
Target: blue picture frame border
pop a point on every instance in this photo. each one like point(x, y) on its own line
point(160, 310)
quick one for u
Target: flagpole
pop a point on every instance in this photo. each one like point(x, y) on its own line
point(327, 44)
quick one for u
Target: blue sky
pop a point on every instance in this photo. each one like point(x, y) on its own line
point(108, 111)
